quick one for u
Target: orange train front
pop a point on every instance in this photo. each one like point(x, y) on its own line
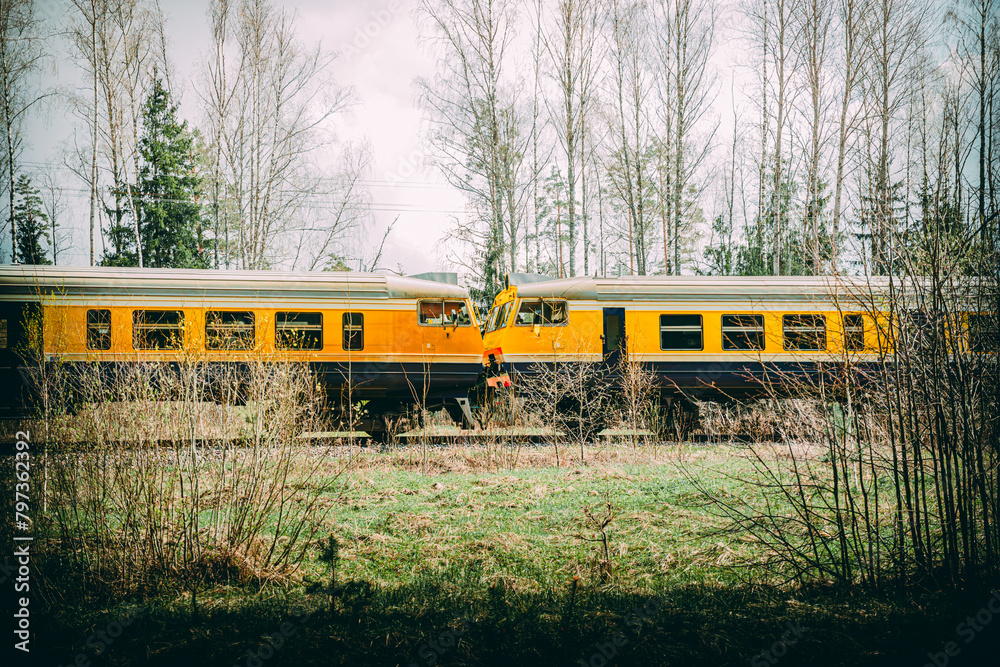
point(703, 337)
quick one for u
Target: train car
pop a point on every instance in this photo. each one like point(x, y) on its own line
point(702, 337)
point(393, 340)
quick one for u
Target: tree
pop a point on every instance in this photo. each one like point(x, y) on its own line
point(167, 187)
point(893, 34)
point(536, 163)
point(978, 27)
point(54, 199)
point(268, 100)
point(83, 34)
point(478, 128)
point(216, 98)
point(687, 31)
point(552, 208)
point(719, 250)
point(629, 127)
point(850, 24)
point(815, 18)
point(118, 44)
point(30, 218)
point(125, 46)
point(722, 249)
point(571, 47)
point(20, 57)
point(335, 232)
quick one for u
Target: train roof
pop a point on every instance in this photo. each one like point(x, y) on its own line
point(31, 282)
point(699, 288)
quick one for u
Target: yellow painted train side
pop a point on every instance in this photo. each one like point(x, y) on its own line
point(393, 340)
point(389, 334)
point(704, 336)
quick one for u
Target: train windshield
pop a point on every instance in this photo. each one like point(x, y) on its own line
point(498, 317)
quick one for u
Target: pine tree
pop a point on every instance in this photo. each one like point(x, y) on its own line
point(32, 223)
point(167, 188)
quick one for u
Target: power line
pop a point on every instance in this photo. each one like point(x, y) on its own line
point(430, 185)
point(381, 207)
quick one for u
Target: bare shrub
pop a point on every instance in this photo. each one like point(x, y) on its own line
point(638, 403)
point(594, 527)
point(152, 484)
point(761, 420)
point(886, 466)
point(568, 397)
point(507, 423)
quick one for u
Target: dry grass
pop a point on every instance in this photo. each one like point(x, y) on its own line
point(136, 502)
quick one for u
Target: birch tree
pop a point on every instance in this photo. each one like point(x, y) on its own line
point(21, 57)
point(849, 14)
point(127, 63)
point(571, 48)
point(687, 30)
point(478, 128)
point(630, 136)
point(784, 66)
point(893, 33)
point(815, 17)
point(87, 16)
point(977, 24)
point(216, 98)
point(342, 209)
point(54, 201)
point(269, 98)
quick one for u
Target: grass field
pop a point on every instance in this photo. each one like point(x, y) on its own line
point(449, 557)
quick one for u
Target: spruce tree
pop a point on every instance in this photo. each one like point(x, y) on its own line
point(167, 187)
point(32, 223)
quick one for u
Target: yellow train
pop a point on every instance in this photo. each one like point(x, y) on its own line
point(397, 341)
point(393, 340)
point(703, 337)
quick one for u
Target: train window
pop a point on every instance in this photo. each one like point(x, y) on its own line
point(545, 313)
point(229, 330)
point(742, 332)
point(499, 321)
point(804, 332)
point(354, 331)
point(681, 332)
point(157, 329)
point(984, 334)
point(444, 313)
point(298, 331)
point(854, 333)
point(99, 329)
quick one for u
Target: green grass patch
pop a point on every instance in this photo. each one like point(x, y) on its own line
point(509, 552)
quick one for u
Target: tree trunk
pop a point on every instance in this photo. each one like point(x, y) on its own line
point(93, 153)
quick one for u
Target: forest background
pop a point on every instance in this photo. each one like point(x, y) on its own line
point(565, 137)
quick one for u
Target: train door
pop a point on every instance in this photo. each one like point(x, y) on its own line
point(614, 336)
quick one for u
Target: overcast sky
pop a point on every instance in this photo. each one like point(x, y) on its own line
point(380, 57)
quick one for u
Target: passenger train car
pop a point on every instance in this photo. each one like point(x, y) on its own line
point(703, 337)
point(395, 340)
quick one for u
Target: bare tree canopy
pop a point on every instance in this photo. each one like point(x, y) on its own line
point(478, 126)
point(574, 136)
point(21, 57)
point(268, 98)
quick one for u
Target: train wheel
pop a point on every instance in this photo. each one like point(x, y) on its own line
point(383, 419)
